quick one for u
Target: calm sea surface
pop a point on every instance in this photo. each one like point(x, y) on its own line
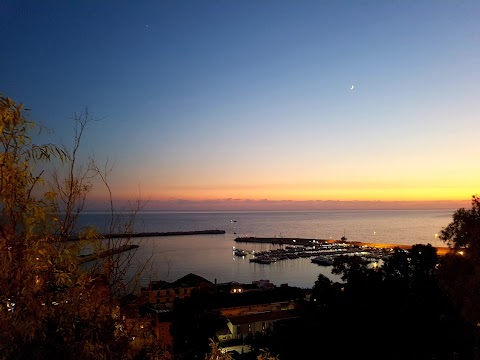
point(211, 257)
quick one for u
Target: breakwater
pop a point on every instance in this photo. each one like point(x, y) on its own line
point(102, 254)
point(122, 248)
point(153, 234)
point(282, 240)
point(168, 233)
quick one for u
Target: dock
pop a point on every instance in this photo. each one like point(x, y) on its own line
point(280, 241)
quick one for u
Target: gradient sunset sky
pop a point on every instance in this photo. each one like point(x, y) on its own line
point(258, 104)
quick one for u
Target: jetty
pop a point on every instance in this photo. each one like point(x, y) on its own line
point(105, 253)
point(153, 234)
point(169, 233)
point(281, 241)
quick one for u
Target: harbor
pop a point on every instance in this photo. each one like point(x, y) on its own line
point(211, 256)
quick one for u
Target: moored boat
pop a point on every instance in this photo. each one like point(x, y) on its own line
point(240, 252)
point(323, 260)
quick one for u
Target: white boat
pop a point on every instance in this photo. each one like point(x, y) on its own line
point(240, 252)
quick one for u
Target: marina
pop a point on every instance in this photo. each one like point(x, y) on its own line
point(321, 253)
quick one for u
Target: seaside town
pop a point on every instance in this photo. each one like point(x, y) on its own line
point(242, 310)
point(178, 316)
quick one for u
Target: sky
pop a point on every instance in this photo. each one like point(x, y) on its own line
point(265, 104)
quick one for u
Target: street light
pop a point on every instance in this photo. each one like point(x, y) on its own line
point(436, 236)
point(374, 238)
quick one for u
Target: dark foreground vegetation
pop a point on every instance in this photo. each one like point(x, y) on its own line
point(413, 306)
point(405, 309)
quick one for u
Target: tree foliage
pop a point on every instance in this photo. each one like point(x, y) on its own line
point(398, 308)
point(459, 270)
point(464, 230)
point(48, 306)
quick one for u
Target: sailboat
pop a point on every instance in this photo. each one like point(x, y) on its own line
point(343, 238)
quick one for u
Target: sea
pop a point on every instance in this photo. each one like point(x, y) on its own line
point(211, 256)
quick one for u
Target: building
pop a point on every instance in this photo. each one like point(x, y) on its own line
point(162, 330)
point(259, 308)
point(236, 288)
point(162, 294)
point(244, 325)
point(247, 320)
point(144, 326)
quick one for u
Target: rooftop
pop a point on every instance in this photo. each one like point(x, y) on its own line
point(264, 316)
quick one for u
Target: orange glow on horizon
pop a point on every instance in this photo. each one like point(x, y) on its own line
point(294, 194)
point(344, 190)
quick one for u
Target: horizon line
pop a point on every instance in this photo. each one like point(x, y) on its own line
point(279, 205)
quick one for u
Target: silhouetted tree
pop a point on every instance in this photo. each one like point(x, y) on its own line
point(464, 230)
point(48, 307)
point(398, 309)
point(51, 307)
point(459, 270)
